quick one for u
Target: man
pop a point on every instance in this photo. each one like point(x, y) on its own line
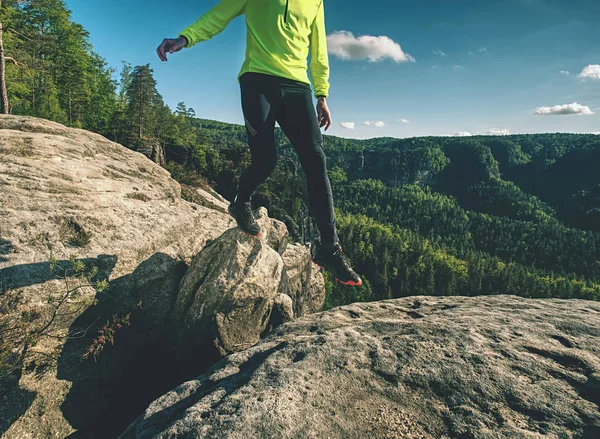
point(274, 86)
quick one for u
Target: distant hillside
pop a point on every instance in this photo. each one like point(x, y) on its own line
point(523, 202)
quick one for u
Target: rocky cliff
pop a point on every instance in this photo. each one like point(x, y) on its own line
point(227, 327)
point(418, 367)
point(195, 287)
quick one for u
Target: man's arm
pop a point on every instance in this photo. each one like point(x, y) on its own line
point(319, 61)
point(213, 21)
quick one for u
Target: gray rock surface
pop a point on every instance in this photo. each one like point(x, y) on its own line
point(69, 192)
point(303, 284)
point(228, 293)
point(418, 367)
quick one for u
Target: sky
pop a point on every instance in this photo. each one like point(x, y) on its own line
point(397, 68)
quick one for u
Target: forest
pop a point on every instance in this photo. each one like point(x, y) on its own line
point(516, 214)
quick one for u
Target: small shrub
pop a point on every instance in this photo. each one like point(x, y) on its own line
point(106, 334)
point(23, 326)
point(170, 196)
point(72, 233)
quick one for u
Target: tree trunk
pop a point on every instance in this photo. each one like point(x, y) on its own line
point(3, 94)
point(70, 106)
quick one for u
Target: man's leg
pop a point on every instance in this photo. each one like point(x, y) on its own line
point(260, 98)
point(298, 120)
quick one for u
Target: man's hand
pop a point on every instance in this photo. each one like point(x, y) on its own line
point(170, 45)
point(323, 113)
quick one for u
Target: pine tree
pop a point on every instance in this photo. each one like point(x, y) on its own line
point(143, 101)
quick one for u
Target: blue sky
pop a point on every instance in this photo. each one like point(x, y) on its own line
point(429, 68)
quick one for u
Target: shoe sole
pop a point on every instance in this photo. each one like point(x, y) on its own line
point(250, 234)
point(349, 282)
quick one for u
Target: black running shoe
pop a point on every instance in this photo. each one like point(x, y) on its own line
point(331, 257)
point(242, 212)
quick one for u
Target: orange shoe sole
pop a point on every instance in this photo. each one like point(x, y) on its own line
point(250, 234)
point(350, 282)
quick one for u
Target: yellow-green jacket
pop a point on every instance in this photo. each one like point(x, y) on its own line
point(280, 34)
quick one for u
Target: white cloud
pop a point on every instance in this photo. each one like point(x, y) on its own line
point(573, 108)
point(590, 72)
point(439, 52)
point(403, 120)
point(346, 46)
point(376, 123)
point(499, 132)
point(565, 72)
point(480, 50)
point(457, 68)
point(459, 134)
point(348, 125)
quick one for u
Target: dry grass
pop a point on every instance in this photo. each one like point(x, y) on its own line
point(138, 196)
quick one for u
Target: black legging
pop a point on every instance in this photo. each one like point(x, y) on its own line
point(266, 99)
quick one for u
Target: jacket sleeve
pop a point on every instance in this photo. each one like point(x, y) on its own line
point(213, 21)
point(319, 61)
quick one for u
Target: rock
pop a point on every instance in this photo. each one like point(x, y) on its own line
point(417, 367)
point(276, 232)
point(204, 198)
point(283, 309)
point(69, 192)
point(228, 295)
point(304, 285)
point(228, 292)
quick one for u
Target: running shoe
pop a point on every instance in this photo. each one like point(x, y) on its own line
point(331, 257)
point(242, 212)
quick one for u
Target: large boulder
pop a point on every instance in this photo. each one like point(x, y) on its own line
point(418, 367)
point(232, 286)
point(67, 192)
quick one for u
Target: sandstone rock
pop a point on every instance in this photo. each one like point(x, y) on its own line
point(283, 309)
point(228, 292)
point(204, 198)
point(419, 367)
point(69, 192)
point(304, 285)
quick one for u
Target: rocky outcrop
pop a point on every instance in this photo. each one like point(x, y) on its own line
point(419, 367)
point(67, 192)
point(229, 292)
point(302, 284)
